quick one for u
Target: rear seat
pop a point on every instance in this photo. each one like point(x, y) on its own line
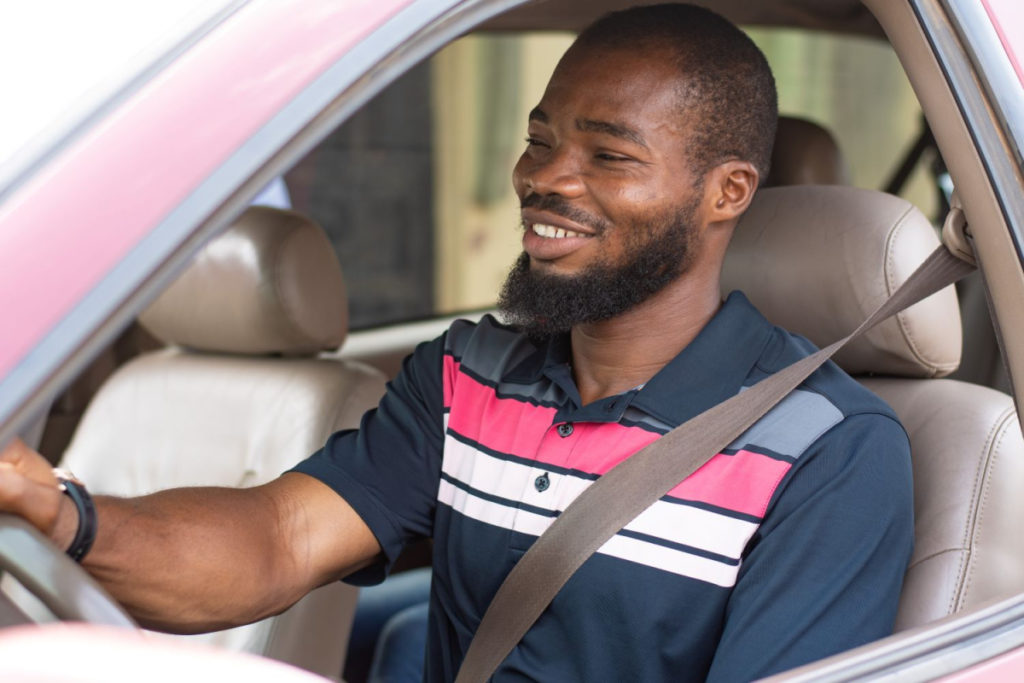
point(238, 397)
point(805, 154)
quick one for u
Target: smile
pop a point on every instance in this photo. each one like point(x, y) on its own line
point(553, 232)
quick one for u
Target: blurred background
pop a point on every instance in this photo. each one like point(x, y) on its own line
point(416, 193)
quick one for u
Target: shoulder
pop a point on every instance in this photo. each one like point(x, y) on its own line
point(848, 396)
point(830, 424)
point(488, 332)
point(464, 337)
point(487, 349)
point(840, 438)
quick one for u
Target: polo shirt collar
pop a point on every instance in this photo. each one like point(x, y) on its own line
point(551, 354)
point(712, 368)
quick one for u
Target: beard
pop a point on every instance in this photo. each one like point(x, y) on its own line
point(657, 252)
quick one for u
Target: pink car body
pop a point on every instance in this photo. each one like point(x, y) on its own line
point(96, 225)
point(57, 231)
point(1008, 20)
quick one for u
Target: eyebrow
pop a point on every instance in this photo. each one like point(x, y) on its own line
point(616, 130)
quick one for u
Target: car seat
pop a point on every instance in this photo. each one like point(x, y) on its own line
point(816, 260)
point(238, 397)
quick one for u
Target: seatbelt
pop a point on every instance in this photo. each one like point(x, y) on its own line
point(633, 485)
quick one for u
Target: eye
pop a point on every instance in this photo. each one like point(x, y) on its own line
point(535, 142)
point(607, 156)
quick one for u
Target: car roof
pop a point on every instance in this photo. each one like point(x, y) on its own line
point(841, 16)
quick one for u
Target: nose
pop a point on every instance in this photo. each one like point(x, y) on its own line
point(552, 171)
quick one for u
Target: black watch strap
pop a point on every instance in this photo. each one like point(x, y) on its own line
point(86, 533)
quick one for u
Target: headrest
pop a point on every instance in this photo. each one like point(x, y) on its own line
point(805, 154)
point(270, 284)
point(817, 260)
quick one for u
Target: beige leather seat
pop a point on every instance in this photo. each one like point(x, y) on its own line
point(805, 153)
point(816, 260)
point(238, 397)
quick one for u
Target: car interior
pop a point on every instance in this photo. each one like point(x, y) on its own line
point(246, 363)
point(243, 327)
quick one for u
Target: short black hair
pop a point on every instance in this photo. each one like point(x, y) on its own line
point(728, 91)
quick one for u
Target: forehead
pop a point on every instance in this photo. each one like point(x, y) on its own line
point(638, 87)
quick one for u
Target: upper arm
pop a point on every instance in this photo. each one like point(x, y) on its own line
point(321, 536)
point(825, 570)
point(386, 474)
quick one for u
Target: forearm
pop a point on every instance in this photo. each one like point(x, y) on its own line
point(199, 559)
point(189, 560)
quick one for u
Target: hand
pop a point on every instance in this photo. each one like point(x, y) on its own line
point(28, 487)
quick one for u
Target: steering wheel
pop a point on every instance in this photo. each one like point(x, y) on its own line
point(54, 578)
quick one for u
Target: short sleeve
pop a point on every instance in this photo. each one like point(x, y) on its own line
point(824, 572)
point(388, 470)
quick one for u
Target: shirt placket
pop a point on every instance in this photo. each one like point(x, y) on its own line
point(544, 489)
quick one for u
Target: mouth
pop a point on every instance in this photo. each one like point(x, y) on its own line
point(548, 237)
point(553, 226)
point(554, 232)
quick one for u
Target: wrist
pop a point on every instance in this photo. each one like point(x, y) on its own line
point(66, 525)
point(76, 519)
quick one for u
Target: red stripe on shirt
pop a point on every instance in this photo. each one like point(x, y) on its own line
point(451, 370)
point(743, 482)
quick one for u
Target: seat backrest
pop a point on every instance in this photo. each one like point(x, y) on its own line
point(968, 458)
point(816, 260)
point(239, 396)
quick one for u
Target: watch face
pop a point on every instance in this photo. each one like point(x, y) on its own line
point(64, 475)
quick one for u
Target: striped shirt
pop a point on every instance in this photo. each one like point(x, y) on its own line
point(787, 546)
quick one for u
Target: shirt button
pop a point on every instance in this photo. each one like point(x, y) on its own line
point(565, 429)
point(542, 482)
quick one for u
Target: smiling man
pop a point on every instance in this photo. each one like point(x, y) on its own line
point(643, 153)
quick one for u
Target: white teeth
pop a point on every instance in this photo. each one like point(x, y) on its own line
point(551, 231)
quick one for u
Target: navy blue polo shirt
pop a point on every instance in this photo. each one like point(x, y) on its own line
point(788, 546)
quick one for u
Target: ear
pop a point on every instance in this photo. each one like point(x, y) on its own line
point(728, 190)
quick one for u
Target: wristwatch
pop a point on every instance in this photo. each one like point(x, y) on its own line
point(74, 489)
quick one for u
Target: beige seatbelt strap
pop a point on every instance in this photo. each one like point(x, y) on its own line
point(619, 496)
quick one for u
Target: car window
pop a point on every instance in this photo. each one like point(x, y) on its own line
point(856, 88)
point(415, 189)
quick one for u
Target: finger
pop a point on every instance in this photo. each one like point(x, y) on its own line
point(36, 502)
point(12, 451)
point(28, 462)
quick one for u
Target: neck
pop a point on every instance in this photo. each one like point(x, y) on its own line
point(615, 355)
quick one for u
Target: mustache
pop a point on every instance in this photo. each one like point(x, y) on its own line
point(553, 203)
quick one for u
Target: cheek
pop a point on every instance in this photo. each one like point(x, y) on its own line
point(640, 216)
point(633, 205)
point(630, 191)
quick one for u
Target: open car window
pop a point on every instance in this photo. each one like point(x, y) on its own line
point(415, 188)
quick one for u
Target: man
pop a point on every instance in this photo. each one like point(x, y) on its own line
point(643, 153)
